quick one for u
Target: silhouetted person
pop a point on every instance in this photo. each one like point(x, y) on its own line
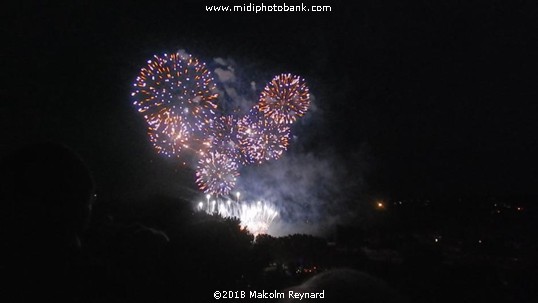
point(46, 192)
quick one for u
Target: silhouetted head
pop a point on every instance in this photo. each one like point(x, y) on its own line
point(345, 285)
point(46, 192)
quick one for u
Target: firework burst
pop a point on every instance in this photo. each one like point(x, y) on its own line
point(177, 96)
point(167, 133)
point(222, 134)
point(285, 99)
point(216, 173)
point(179, 88)
point(261, 139)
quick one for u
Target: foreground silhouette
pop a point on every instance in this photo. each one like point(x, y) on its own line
point(46, 203)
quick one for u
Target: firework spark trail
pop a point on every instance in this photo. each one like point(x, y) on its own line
point(255, 217)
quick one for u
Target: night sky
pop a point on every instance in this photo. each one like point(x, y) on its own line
point(439, 98)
